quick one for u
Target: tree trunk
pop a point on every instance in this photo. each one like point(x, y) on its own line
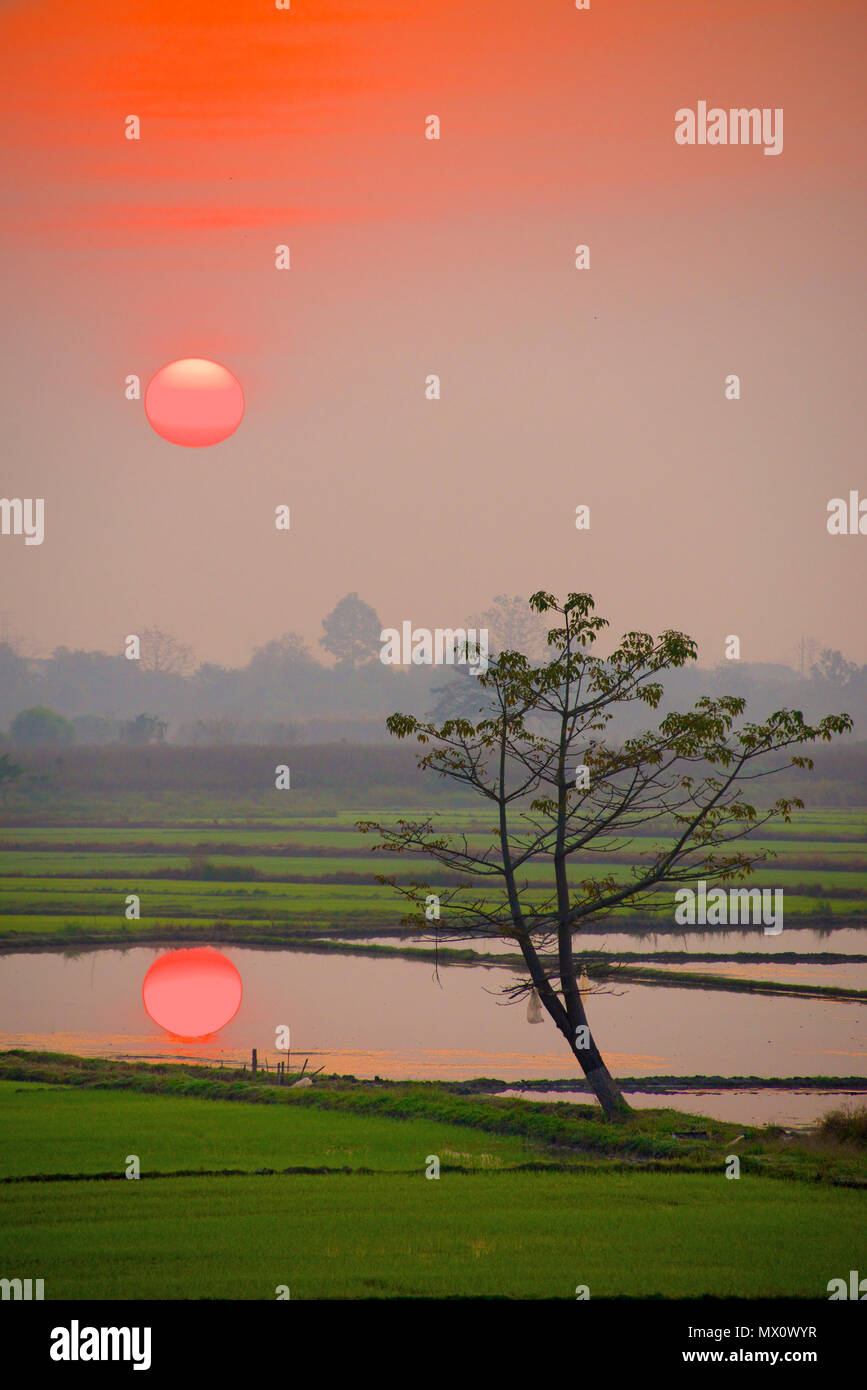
point(602, 1083)
point(605, 1088)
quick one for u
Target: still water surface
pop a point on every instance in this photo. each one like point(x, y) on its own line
point(398, 1019)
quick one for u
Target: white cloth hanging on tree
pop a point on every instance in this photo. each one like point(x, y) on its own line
point(534, 1008)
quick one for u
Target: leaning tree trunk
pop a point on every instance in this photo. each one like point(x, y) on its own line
point(599, 1078)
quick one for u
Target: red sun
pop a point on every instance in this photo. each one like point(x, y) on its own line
point(192, 993)
point(194, 402)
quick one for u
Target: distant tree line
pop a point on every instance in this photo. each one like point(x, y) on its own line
point(285, 693)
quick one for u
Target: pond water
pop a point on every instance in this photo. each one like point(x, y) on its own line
point(847, 941)
point(791, 1109)
point(841, 976)
point(397, 1019)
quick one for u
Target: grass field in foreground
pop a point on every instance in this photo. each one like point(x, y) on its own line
point(514, 1235)
point(491, 1225)
point(67, 1131)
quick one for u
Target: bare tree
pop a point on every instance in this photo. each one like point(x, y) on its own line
point(164, 654)
point(513, 625)
point(833, 667)
point(562, 792)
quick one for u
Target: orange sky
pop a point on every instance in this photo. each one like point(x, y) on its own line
point(409, 257)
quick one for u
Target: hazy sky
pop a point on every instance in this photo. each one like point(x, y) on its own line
point(456, 257)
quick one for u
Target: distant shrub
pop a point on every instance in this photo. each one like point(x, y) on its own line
point(202, 868)
point(847, 1125)
point(41, 725)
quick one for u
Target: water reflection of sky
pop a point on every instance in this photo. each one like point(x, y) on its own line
point(792, 1109)
point(392, 1018)
point(846, 941)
